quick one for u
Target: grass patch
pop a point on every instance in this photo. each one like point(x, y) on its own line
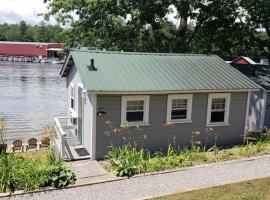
point(129, 160)
point(30, 171)
point(249, 190)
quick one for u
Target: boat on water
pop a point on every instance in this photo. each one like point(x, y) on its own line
point(22, 59)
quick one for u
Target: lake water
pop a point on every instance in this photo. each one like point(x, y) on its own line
point(31, 95)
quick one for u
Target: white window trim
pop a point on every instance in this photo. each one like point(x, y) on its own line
point(227, 97)
point(125, 99)
point(189, 98)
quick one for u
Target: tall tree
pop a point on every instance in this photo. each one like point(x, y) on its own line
point(112, 24)
point(13, 33)
point(224, 27)
point(256, 18)
point(23, 27)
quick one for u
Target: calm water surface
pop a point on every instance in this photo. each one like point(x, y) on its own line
point(31, 95)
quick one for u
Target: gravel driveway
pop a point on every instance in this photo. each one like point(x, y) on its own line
point(168, 183)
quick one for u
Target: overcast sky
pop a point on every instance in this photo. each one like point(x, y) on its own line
point(13, 11)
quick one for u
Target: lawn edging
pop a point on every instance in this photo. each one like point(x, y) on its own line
point(20, 193)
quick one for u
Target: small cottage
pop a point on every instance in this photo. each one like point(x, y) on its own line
point(151, 99)
point(243, 60)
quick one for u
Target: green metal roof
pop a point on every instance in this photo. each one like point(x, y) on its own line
point(155, 72)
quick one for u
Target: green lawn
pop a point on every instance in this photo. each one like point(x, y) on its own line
point(250, 190)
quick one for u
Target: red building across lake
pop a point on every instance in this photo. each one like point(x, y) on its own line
point(30, 49)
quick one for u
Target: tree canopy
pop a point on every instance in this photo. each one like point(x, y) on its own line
point(225, 27)
point(27, 33)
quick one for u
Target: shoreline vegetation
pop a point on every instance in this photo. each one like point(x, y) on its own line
point(129, 160)
point(25, 32)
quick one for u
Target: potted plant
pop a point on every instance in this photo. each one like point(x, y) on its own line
point(3, 146)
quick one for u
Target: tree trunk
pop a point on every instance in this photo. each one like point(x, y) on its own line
point(183, 22)
point(183, 46)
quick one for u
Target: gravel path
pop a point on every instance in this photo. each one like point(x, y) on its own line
point(168, 183)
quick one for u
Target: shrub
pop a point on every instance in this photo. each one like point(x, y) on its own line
point(127, 160)
point(59, 175)
point(32, 172)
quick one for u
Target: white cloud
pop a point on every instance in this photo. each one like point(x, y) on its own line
point(14, 11)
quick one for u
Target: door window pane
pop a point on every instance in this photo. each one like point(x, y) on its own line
point(72, 103)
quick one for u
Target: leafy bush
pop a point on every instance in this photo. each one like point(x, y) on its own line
point(126, 160)
point(59, 175)
point(32, 172)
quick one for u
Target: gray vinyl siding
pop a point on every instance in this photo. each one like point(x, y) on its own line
point(267, 111)
point(157, 136)
point(75, 78)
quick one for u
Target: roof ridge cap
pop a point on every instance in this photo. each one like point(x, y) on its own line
point(139, 53)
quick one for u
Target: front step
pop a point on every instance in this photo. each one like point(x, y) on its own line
point(73, 148)
point(71, 154)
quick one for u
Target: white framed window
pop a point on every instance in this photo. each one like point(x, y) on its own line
point(179, 108)
point(218, 109)
point(72, 96)
point(135, 110)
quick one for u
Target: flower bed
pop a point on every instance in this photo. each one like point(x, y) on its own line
point(32, 171)
point(129, 160)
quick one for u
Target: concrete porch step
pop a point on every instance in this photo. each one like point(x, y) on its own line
point(72, 155)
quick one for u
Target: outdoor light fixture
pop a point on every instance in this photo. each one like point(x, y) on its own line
point(101, 112)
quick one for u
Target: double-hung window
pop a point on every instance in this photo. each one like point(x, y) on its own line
point(135, 110)
point(179, 108)
point(72, 96)
point(218, 109)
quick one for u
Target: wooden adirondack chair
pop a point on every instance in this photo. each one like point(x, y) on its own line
point(32, 144)
point(45, 142)
point(17, 146)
